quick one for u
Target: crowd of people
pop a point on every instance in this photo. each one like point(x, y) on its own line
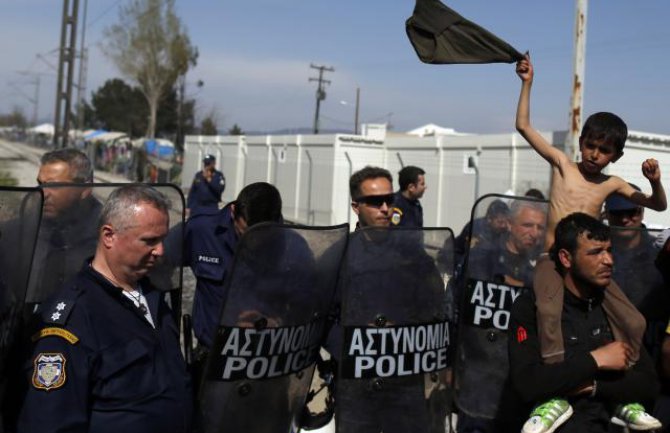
point(540, 316)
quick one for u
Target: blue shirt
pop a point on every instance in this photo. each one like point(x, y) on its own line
point(209, 246)
point(204, 194)
point(98, 365)
point(405, 212)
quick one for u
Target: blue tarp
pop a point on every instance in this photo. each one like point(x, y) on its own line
point(159, 149)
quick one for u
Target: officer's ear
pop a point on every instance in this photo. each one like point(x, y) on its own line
point(107, 234)
point(354, 206)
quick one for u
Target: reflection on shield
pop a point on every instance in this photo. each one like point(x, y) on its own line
point(393, 363)
point(20, 210)
point(634, 253)
point(68, 236)
point(278, 297)
point(498, 267)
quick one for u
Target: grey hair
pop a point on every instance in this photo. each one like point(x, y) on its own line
point(117, 209)
point(517, 205)
point(80, 165)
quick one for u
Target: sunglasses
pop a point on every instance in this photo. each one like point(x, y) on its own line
point(376, 200)
point(630, 213)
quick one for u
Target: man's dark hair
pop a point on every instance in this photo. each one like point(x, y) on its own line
point(605, 126)
point(259, 202)
point(364, 174)
point(570, 228)
point(497, 207)
point(534, 193)
point(409, 175)
point(80, 165)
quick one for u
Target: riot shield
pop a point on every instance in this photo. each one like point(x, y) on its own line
point(68, 236)
point(393, 362)
point(495, 273)
point(20, 210)
point(634, 254)
point(277, 301)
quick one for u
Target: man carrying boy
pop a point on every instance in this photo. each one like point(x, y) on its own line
point(582, 187)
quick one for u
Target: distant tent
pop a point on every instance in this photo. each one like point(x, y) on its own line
point(45, 128)
point(159, 148)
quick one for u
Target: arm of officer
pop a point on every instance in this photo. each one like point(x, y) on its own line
point(57, 399)
point(534, 380)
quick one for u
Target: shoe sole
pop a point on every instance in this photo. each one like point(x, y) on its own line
point(622, 423)
point(560, 420)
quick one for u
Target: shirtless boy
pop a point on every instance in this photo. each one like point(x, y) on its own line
point(582, 187)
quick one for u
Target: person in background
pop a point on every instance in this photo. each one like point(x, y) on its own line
point(406, 210)
point(206, 189)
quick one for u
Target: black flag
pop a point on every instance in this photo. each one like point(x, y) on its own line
point(441, 36)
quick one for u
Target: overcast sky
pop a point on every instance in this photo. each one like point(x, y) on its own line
point(255, 57)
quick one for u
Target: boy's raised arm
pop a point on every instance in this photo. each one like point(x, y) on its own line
point(657, 200)
point(524, 70)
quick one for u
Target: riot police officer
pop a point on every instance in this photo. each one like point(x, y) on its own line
point(210, 243)
point(106, 356)
point(207, 187)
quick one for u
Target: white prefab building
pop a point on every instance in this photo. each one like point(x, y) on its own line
point(312, 171)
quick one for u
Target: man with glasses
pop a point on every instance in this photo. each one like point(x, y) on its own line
point(372, 196)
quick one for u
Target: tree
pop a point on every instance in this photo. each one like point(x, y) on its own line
point(15, 118)
point(208, 125)
point(120, 107)
point(235, 130)
point(151, 47)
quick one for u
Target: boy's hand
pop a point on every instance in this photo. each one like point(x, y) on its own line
point(613, 356)
point(651, 170)
point(524, 68)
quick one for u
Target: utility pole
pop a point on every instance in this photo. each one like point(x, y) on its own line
point(320, 92)
point(83, 71)
point(68, 40)
point(358, 101)
point(576, 98)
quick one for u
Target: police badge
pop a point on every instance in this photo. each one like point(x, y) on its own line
point(396, 216)
point(49, 371)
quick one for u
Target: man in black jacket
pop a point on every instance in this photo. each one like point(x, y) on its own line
point(597, 377)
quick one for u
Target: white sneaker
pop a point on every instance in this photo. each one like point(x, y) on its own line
point(548, 416)
point(635, 417)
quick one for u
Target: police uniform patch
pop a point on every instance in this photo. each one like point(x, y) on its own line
point(396, 216)
point(55, 332)
point(58, 312)
point(49, 371)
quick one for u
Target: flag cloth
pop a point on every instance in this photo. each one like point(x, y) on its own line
point(439, 35)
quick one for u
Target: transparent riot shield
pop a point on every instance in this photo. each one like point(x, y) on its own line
point(68, 237)
point(277, 301)
point(20, 211)
point(495, 273)
point(393, 362)
point(634, 254)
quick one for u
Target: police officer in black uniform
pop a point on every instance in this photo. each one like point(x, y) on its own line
point(68, 234)
point(210, 241)
point(207, 187)
point(106, 357)
point(407, 210)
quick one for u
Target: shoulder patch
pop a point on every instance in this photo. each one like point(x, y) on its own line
point(58, 311)
point(56, 332)
point(396, 216)
point(49, 371)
